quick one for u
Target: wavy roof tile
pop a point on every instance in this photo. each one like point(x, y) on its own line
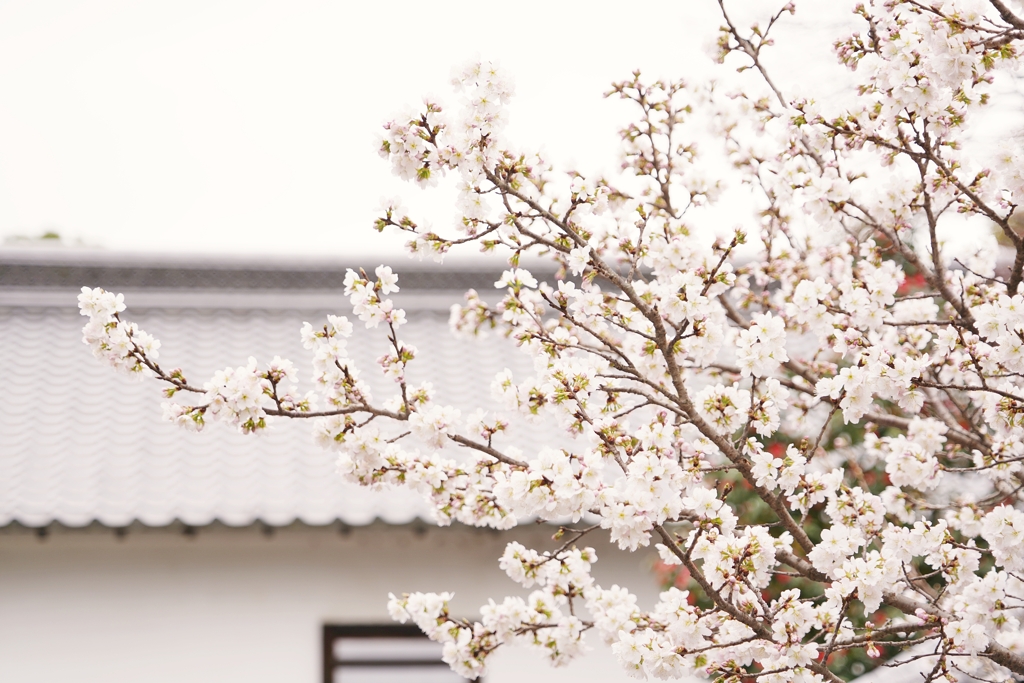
point(80, 444)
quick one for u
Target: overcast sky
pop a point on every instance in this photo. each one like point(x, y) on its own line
point(245, 126)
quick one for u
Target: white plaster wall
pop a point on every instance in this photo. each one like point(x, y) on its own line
point(235, 605)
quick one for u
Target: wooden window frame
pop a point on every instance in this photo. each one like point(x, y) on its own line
point(332, 632)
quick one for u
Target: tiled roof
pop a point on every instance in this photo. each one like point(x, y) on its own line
point(81, 444)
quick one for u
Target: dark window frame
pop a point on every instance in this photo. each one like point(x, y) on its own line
point(332, 632)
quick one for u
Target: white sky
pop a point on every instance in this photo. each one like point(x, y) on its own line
point(249, 127)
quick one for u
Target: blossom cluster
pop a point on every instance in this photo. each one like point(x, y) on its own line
point(539, 621)
point(119, 344)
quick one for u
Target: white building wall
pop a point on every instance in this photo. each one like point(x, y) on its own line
point(157, 606)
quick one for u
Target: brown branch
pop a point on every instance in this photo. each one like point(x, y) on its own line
point(488, 450)
point(1007, 15)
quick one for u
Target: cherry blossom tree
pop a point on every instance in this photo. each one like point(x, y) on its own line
point(818, 416)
